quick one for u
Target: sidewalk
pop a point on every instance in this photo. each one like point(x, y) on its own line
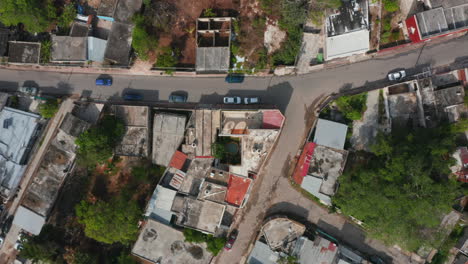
point(7, 252)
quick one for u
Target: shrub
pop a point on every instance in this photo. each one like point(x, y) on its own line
point(67, 16)
point(49, 108)
point(36, 15)
point(209, 13)
point(167, 58)
point(352, 106)
point(46, 46)
point(214, 244)
point(142, 41)
point(391, 5)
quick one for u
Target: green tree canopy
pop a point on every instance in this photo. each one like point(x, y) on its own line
point(352, 106)
point(49, 108)
point(402, 190)
point(96, 144)
point(143, 40)
point(36, 15)
point(110, 222)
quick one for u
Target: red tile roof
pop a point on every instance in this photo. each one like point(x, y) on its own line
point(303, 163)
point(237, 189)
point(178, 160)
point(272, 119)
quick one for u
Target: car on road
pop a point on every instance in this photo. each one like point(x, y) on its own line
point(177, 98)
point(1, 240)
point(132, 97)
point(104, 81)
point(397, 75)
point(234, 78)
point(232, 100)
point(28, 90)
point(251, 100)
point(231, 239)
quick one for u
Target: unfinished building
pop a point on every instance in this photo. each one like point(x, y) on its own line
point(135, 140)
point(213, 44)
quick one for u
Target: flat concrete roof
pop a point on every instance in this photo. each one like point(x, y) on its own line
point(125, 10)
point(204, 215)
point(119, 43)
point(330, 134)
point(262, 254)
point(356, 42)
point(447, 4)
point(29, 220)
point(212, 192)
point(74, 126)
point(212, 59)
point(79, 29)
point(327, 164)
point(432, 22)
point(136, 137)
point(160, 243)
point(197, 171)
point(202, 132)
point(24, 52)
point(168, 133)
point(403, 107)
point(449, 96)
point(320, 250)
point(65, 48)
point(132, 115)
point(280, 231)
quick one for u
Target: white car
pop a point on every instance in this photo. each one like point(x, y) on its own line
point(396, 76)
point(251, 100)
point(232, 100)
point(1, 240)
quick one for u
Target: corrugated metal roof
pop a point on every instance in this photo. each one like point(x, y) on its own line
point(96, 49)
point(262, 254)
point(178, 160)
point(159, 206)
point(330, 134)
point(312, 185)
point(29, 220)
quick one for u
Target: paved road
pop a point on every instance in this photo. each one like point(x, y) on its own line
point(294, 95)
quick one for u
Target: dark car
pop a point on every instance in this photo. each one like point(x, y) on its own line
point(231, 239)
point(132, 97)
point(104, 81)
point(177, 98)
point(234, 78)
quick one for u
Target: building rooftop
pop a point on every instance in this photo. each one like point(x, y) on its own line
point(352, 16)
point(107, 8)
point(330, 134)
point(446, 4)
point(201, 132)
point(403, 108)
point(24, 52)
point(89, 112)
point(119, 43)
point(178, 160)
point(212, 59)
point(281, 231)
point(96, 49)
point(239, 122)
point(69, 49)
point(160, 243)
point(262, 254)
point(449, 96)
point(28, 220)
point(327, 164)
point(356, 42)
point(125, 10)
point(74, 126)
point(442, 20)
point(212, 192)
point(168, 134)
point(196, 173)
point(136, 139)
point(320, 250)
point(238, 188)
point(312, 185)
point(160, 204)
point(204, 216)
point(79, 29)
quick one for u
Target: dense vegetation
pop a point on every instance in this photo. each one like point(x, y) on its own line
point(49, 108)
point(352, 106)
point(214, 244)
point(391, 5)
point(36, 15)
point(401, 190)
point(110, 222)
point(293, 16)
point(143, 40)
point(45, 247)
point(96, 144)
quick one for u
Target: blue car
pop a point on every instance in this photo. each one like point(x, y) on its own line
point(104, 81)
point(234, 78)
point(132, 97)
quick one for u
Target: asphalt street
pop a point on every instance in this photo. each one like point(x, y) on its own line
point(292, 94)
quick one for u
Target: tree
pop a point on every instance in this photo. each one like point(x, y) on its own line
point(36, 15)
point(44, 252)
point(167, 58)
point(391, 5)
point(96, 144)
point(125, 258)
point(402, 191)
point(67, 16)
point(49, 108)
point(214, 244)
point(84, 258)
point(110, 222)
point(143, 41)
point(352, 106)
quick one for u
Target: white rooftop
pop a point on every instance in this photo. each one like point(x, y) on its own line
point(312, 185)
point(28, 220)
point(262, 254)
point(168, 133)
point(330, 134)
point(159, 206)
point(356, 42)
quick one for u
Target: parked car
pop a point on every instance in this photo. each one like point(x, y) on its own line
point(18, 245)
point(234, 78)
point(232, 100)
point(28, 90)
point(251, 100)
point(104, 81)
point(132, 97)
point(231, 239)
point(1, 240)
point(177, 98)
point(397, 76)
